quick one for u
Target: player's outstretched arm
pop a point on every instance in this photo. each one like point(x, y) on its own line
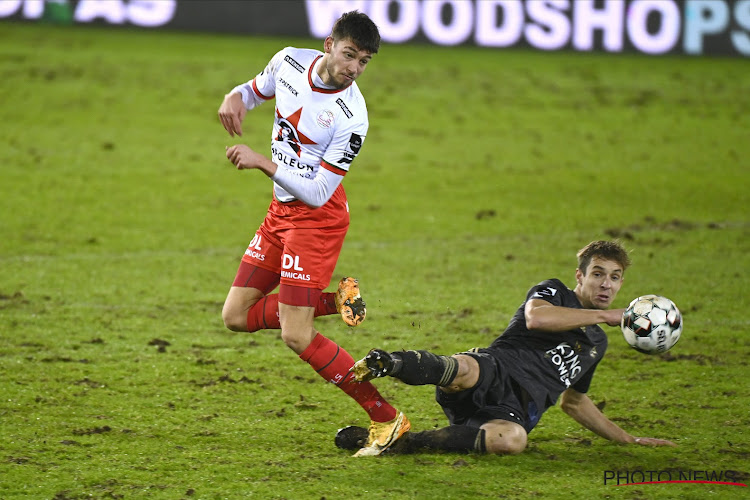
point(231, 113)
point(541, 315)
point(580, 407)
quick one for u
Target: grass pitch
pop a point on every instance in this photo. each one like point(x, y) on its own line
point(483, 173)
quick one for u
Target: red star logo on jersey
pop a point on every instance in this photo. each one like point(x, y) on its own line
point(288, 131)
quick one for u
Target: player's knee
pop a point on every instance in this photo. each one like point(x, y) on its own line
point(234, 321)
point(233, 325)
point(506, 440)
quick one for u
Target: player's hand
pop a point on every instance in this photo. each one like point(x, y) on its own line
point(614, 316)
point(231, 113)
point(653, 442)
point(243, 157)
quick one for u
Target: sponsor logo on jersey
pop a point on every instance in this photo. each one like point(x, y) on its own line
point(294, 64)
point(355, 143)
point(283, 159)
point(288, 131)
point(286, 84)
point(566, 362)
point(325, 118)
point(343, 107)
point(547, 292)
point(352, 150)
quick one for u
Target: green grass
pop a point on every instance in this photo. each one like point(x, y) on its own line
point(484, 171)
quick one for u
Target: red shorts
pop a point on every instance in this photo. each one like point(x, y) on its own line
point(299, 243)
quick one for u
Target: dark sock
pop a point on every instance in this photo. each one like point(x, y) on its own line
point(423, 368)
point(455, 438)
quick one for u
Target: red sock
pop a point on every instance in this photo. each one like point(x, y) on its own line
point(332, 363)
point(326, 304)
point(264, 314)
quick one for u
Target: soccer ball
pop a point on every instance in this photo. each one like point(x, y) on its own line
point(651, 324)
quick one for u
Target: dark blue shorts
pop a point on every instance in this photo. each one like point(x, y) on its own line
point(495, 396)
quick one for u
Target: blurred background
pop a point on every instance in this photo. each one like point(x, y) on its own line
point(694, 27)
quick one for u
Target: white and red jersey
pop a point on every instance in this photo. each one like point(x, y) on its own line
point(314, 126)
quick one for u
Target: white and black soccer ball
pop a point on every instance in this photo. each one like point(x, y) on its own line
point(651, 324)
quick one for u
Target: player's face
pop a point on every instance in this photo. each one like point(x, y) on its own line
point(344, 62)
point(599, 286)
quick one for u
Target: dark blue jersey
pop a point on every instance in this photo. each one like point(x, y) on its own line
point(547, 363)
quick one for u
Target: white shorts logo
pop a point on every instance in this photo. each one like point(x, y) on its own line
point(289, 262)
point(253, 249)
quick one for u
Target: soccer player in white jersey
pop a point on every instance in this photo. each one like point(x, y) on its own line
point(494, 396)
point(319, 128)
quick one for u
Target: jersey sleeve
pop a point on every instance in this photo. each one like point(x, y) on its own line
point(263, 87)
point(345, 146)
point(313, 192)
point(552, 291)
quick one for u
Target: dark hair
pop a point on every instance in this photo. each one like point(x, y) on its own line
point(608, 250)
point(358, 28)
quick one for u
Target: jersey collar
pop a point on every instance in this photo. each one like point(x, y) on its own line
point(320, 89)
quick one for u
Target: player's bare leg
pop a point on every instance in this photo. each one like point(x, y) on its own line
point(297, 330)
point(249, 309)
point(332, 362)
point(239, 300)
point(467, 375)
point(449, 373)
point(502, 437)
